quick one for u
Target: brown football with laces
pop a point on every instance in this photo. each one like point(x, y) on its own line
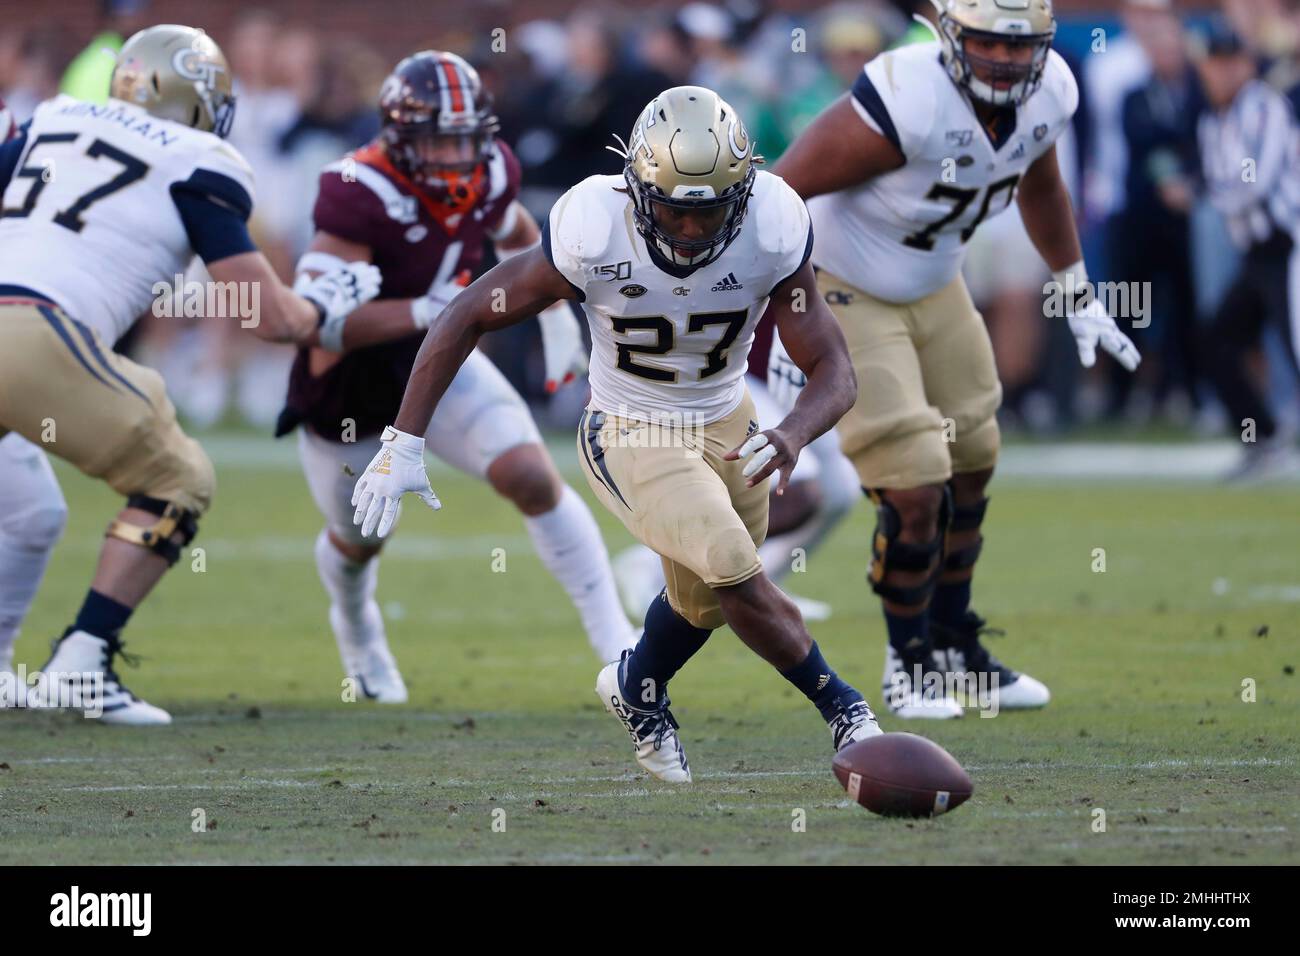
point(902, 775)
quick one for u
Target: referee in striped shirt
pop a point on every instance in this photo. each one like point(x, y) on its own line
point(1250, 158)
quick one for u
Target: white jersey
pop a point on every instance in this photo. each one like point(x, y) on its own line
point(662, 345)
point(901, 236)
point(89, 216)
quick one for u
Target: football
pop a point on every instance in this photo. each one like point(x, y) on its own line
point(902, 775)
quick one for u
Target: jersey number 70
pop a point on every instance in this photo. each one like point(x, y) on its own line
point(960, 198)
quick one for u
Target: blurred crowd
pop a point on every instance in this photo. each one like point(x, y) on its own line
point(563, 86)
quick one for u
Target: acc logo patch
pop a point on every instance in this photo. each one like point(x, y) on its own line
point(1039, 132)
point(837, 297)
point(965, 160)
point(417, 232)
point(633, 291)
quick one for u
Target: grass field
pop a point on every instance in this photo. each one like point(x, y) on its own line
point(1146, 662)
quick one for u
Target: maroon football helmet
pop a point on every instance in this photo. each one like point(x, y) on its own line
point(438, 126)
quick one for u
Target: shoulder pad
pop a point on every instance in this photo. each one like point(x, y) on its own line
point(217, 155)
point(582, 221)
point(907, 80)
point(780, 217)
point(1060, 85)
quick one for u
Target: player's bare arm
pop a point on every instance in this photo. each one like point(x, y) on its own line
point(816, 344)
point(377, 321)
point(1049, 219)
point(1048, 214)
point(382, 320)
point(508, 294)
point(284, 316)
point(837, 151)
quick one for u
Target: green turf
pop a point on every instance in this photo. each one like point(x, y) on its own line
point(1146, 662)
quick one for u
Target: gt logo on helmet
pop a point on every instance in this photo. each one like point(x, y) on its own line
point(195, 65)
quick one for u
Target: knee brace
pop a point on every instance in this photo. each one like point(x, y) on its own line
point(890, 554)
point(965, 518)
point(173, 521)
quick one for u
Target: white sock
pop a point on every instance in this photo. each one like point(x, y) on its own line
point(568, 541)
point(21, 570)
point(354, 613)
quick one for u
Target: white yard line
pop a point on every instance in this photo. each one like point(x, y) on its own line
point(1082, 461)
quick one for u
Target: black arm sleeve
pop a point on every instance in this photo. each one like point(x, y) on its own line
point(215, 211)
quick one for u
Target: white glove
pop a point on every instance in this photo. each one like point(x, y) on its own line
point(1093, 326)
point(562, 345)
point(396, 469)
point(430, 305)
point(337, 293)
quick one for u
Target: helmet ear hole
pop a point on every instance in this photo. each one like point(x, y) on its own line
point(153, 79)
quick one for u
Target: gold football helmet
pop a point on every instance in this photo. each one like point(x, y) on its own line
point(176, 73)
point(689, 167)
point(1026, 24)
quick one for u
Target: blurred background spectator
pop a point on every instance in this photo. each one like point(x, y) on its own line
point(566, 76)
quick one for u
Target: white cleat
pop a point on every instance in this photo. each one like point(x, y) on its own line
point(80, 675)
point(974, 668)
point(852, 722)
point(654, 733)
point(908, 701)
point(370, 663)
point(639, 577)
point(993, 683)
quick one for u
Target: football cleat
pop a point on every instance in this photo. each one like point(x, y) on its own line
point(904, 699)
point(80, 675)
point(370, 663)
point(653, 732)
point(959, 652)
point(853, 721)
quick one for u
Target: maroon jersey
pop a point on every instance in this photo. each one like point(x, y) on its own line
point(416, 242)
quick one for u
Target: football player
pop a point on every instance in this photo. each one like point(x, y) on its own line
point(29, 527)
point(822, 491)
point(932, 139)
point(421, 202)
point(102, 203)
point(674, 262)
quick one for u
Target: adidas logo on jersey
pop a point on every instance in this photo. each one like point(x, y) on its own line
point(727, 284)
